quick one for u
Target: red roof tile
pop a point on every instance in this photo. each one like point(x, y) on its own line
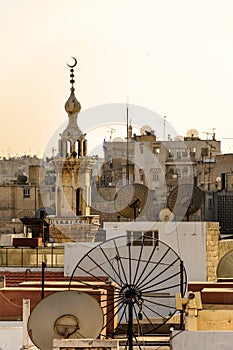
point(14, 279)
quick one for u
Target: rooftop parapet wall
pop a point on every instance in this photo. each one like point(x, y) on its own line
point(212, 250)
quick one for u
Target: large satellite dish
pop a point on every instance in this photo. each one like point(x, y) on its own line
point(225, 266)
point(145, 273)
point(184, 200)
point(130, 200)
point(66, 314)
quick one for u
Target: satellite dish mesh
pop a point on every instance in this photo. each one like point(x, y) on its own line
point(131, 200)
point(145, 274)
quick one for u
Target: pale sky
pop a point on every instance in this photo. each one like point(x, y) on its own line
point(173, 57)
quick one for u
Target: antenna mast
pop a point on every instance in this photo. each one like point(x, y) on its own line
point(112, 130)
point(164, 127)
point(207, 134)
point(127, 142)
point(213, 133)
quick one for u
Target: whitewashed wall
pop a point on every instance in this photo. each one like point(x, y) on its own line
point(202, 340)
point(188, 239)
point(11, 336)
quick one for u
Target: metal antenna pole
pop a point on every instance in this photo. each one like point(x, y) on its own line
point(182, 293)
point(164, 128)
point(130, 325)
point(127, 144)
point(42, 283)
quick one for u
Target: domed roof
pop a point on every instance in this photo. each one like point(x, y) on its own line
point(72, 105)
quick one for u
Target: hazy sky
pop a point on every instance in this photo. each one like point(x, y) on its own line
point(174, 57)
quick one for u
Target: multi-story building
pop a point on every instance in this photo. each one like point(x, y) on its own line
point(219, 199)
point(159, 165)
point(13, 167)
point(27, 196)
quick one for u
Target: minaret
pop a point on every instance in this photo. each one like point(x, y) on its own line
point(72, 166)
point(72, 142)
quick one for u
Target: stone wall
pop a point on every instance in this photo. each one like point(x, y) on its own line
point(212, 250)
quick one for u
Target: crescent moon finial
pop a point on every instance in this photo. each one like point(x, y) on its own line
point(72, 81)
point(73, 65)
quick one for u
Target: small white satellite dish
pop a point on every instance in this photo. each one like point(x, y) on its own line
point(118, 139)
point(166, 215)
point(192, 133)
point(179, 138)
point(144, 129)
point(66, 314)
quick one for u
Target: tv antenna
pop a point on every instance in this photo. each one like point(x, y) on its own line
point(207, 134)
point(164, 122)
point(213, 133)
point(164, 127)
point(111, 131)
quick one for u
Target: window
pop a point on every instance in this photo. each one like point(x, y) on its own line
point(193, 152)
point(141, 174)
point(171, 171)
point(156, 150)
point(204, 152)
point(209, 203)
point(137, 238)
point(155, 174)
point(26, 192)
